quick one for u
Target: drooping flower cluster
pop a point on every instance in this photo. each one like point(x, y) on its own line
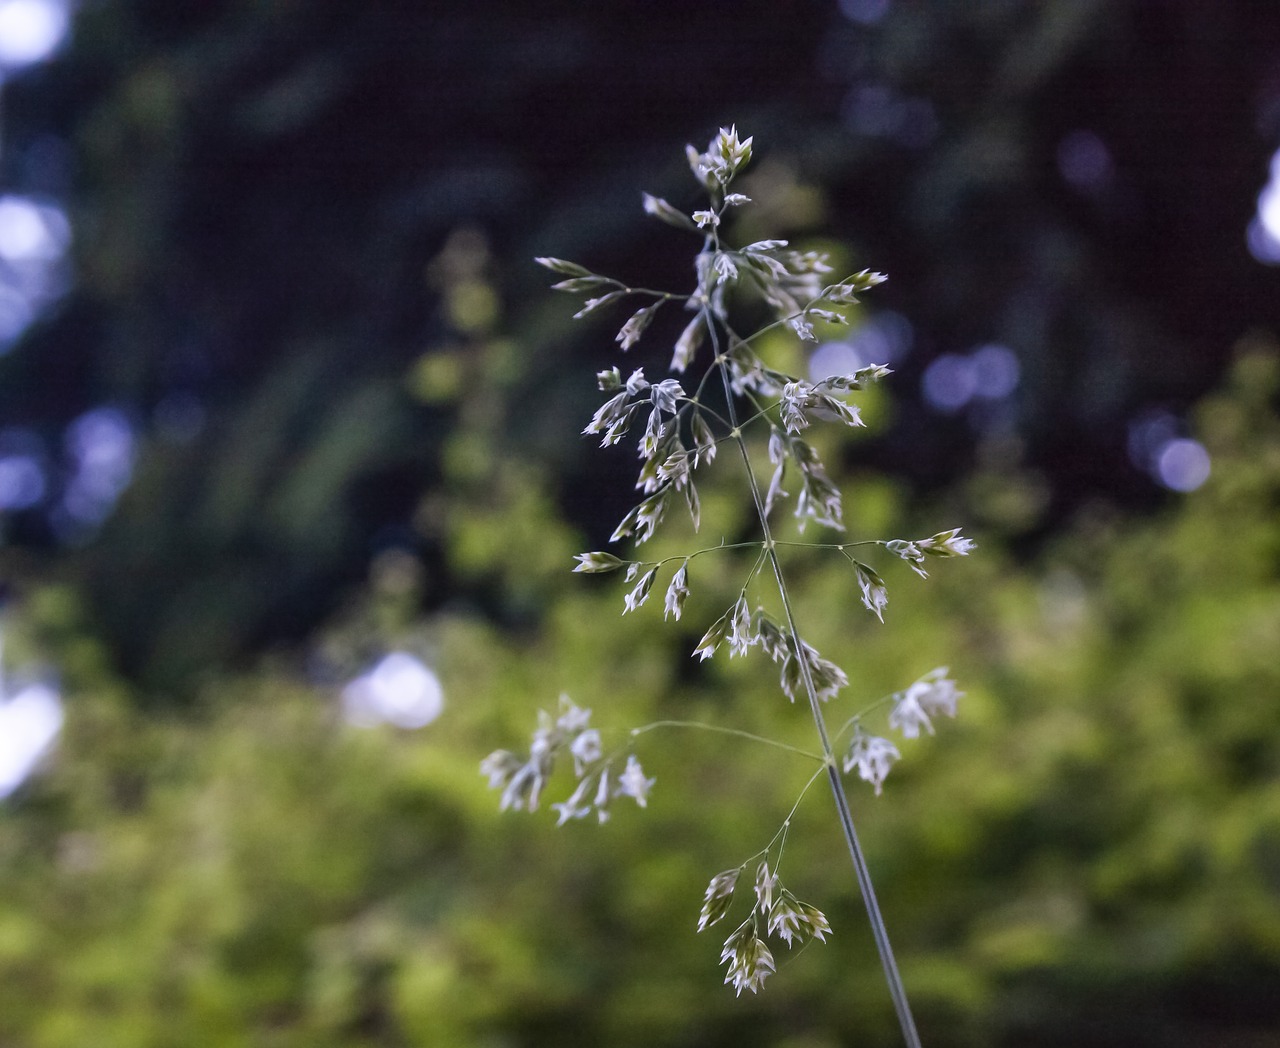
point(819, 499)
point(932, 694)
point(872, 755)
point(749, 959)
point(666, 463)
point(945, 544)
point(522, 779)
point(941, 546)
point(743, 629)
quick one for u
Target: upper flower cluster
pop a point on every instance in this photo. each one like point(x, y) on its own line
point(724, 158)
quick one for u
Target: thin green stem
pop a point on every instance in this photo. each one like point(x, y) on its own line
point(838, 546)
point(696, 553)
point(666, 296)
point(786, 823)
point(739, 340)
point(866, 711)
point(697, 405)
point(727, 731)
point(896, 988)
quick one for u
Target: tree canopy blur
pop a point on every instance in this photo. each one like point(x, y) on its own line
point(283, 391)
point(280, 210)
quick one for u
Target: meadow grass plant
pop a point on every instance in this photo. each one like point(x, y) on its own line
point(725, 395)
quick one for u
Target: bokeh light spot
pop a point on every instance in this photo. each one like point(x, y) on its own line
point(101, 445)
point(989, 373)
point(16, 315)
point(949, 383)
point(834, 358)
point(1263, 233)
point(864, 12)
point(31, 30)
point(1182, 464)
point(33, 240)
point(879, 111)
point(1269, 209)
point(884, 338)
point(22, 234)
point(29, 723)
point(22, 482)
point(30, 231)
point(399, 690)
point(1084, 161)
point(995, 371)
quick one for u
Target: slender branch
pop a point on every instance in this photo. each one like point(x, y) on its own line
point(786, 823)
point(726, 731)
point(781, 321)
point(840, 546)
point(718, 548)
point(866, 711)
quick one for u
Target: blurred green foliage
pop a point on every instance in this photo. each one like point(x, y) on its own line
point(1089, 855)
point(313, 222)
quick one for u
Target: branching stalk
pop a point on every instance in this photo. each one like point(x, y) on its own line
point(788, 281)
point(897, 990)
